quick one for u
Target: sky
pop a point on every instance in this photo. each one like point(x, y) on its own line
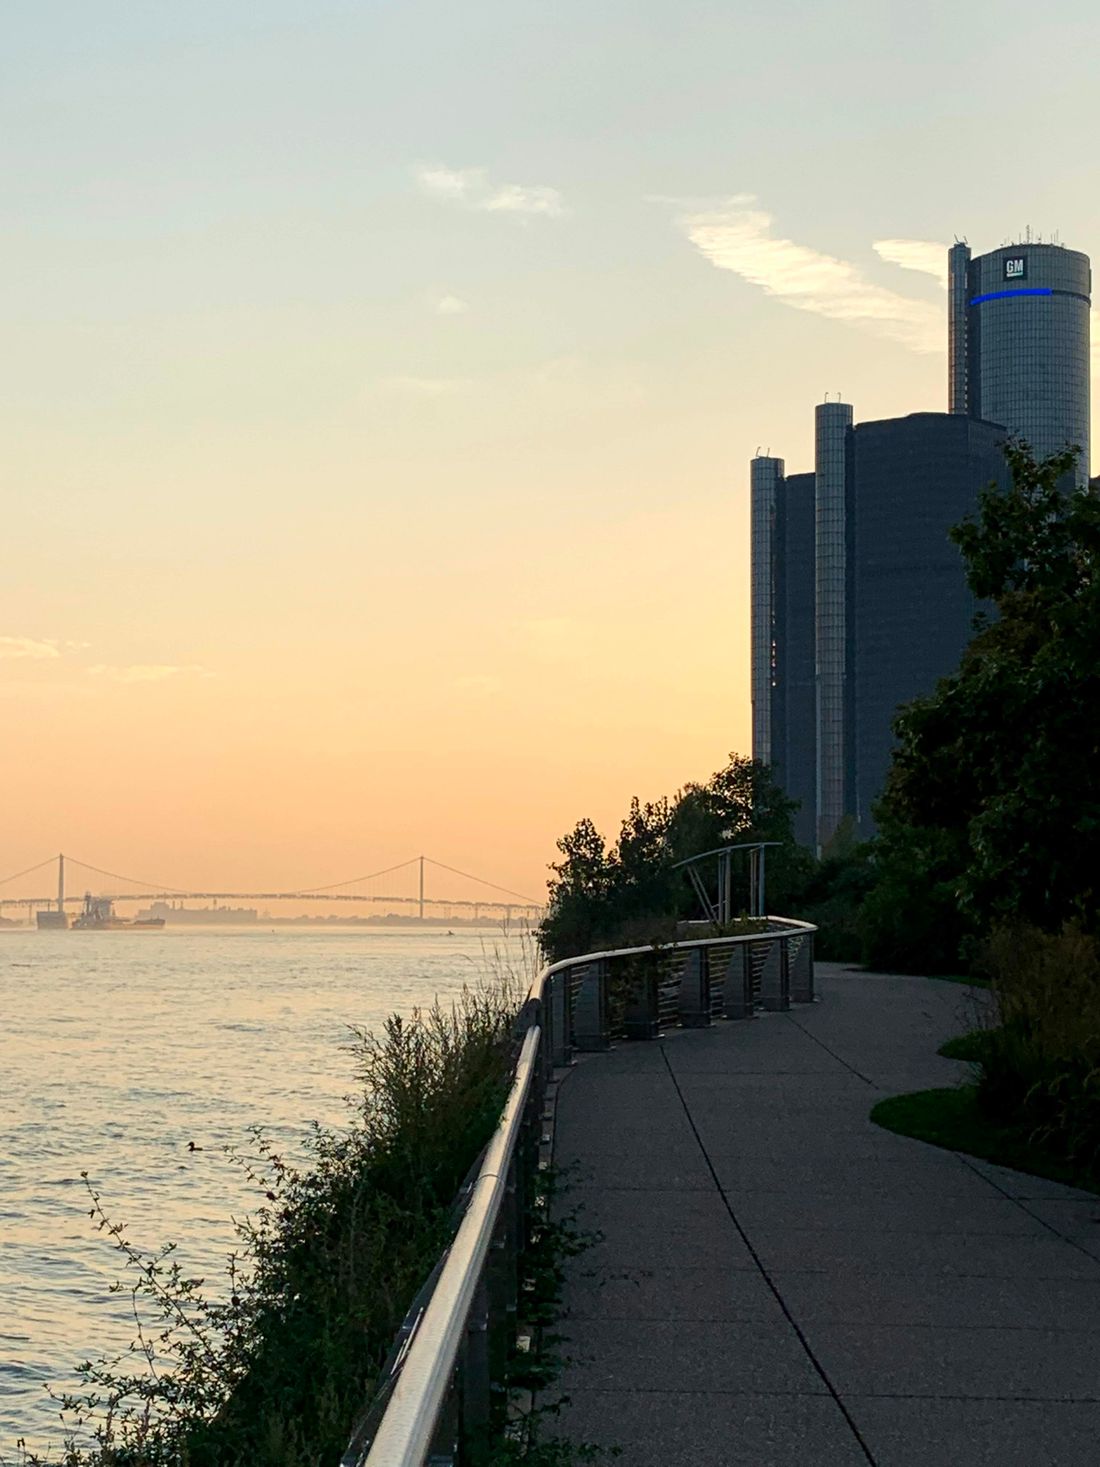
point(379, 384)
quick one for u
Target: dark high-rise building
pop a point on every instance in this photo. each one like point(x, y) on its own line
point(832, 428)
point(910, 610)
point(784, 716)
point(1018, 341)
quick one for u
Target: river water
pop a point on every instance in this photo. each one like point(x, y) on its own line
point(120, 1050)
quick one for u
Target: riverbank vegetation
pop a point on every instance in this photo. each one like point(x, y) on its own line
point(273, 1369)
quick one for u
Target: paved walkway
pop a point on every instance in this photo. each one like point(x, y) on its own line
point(782, 1284)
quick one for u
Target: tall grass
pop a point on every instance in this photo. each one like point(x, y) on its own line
point(1039, 1065)
point(273, 1372)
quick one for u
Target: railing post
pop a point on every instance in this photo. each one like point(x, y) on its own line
point(503, 1282)
point(591, 1028)
point(774, 986)
point(476, 1373)
point(444, 1449)
point(561, 1039)
point(802, 969)
point(737, 997)
point(694, 1004)
point(640, 1018)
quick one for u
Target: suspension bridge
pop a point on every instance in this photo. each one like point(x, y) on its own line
point(481, 897)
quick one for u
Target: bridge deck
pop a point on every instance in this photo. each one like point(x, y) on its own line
point(782, 1284)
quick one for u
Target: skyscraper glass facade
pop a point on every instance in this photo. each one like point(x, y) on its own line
point(832, 423)
point(783, 653)
point(910, 608)
point(1022, 346)
point(766, 474)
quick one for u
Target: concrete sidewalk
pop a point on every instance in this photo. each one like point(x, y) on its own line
point(782, 1284)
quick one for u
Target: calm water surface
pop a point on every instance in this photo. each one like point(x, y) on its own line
point(116, 1051)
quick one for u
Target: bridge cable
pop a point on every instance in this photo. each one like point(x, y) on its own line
point(153, 886)
point(354, 880)
point(508, 892)
point(47, 862)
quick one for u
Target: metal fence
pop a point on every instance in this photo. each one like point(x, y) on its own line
point(437, 1389)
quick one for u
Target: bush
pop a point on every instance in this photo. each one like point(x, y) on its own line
point(1040, 1065)
point(911, 920)
point(275, 1374)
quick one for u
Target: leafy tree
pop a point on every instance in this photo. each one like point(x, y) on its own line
point(632, 891)
point(1000, 765)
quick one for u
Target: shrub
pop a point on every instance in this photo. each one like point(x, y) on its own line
point(1040, 1066)
point(275, 1373)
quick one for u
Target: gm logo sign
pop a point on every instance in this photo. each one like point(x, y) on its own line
point(1016, 267)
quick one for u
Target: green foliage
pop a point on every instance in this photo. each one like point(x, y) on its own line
point(1035, 1105)
point(911, 919)
point(630, 894)
point(1040, 1063)
point(832, 895)
point(998, 767)
point(275, 1372)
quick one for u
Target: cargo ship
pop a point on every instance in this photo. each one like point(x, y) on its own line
point(98, 915)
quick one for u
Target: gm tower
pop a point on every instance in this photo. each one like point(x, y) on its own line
point(1018, 343)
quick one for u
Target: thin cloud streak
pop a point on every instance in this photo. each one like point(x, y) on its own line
point(472, 189)
point(923, 255)
point(35, 649)
point(451, 305)
point(736, 235)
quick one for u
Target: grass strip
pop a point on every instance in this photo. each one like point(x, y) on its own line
point(952, 1119)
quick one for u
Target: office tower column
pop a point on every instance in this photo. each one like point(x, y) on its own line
point(766, 474)
point(833, 421)
point(958, 266)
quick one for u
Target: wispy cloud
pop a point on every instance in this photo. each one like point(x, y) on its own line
point(451, 305)
point(34, 648)
point(924, 255)
point(147, 672)
point(735, 234)
point(473, 189)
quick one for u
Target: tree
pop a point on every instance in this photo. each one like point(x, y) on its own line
point(632, 892)
point(1002, 760)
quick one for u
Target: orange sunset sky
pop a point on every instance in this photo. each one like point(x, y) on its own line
point(380, 382)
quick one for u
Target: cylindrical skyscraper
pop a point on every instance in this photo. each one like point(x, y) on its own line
point(1021, 350)
point(833, 421)
point(766, 474)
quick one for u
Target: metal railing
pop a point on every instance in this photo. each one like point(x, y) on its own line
point(437, 1388)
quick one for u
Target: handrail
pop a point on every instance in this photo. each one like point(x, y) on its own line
point(407, 1428)
point(453, 1326)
